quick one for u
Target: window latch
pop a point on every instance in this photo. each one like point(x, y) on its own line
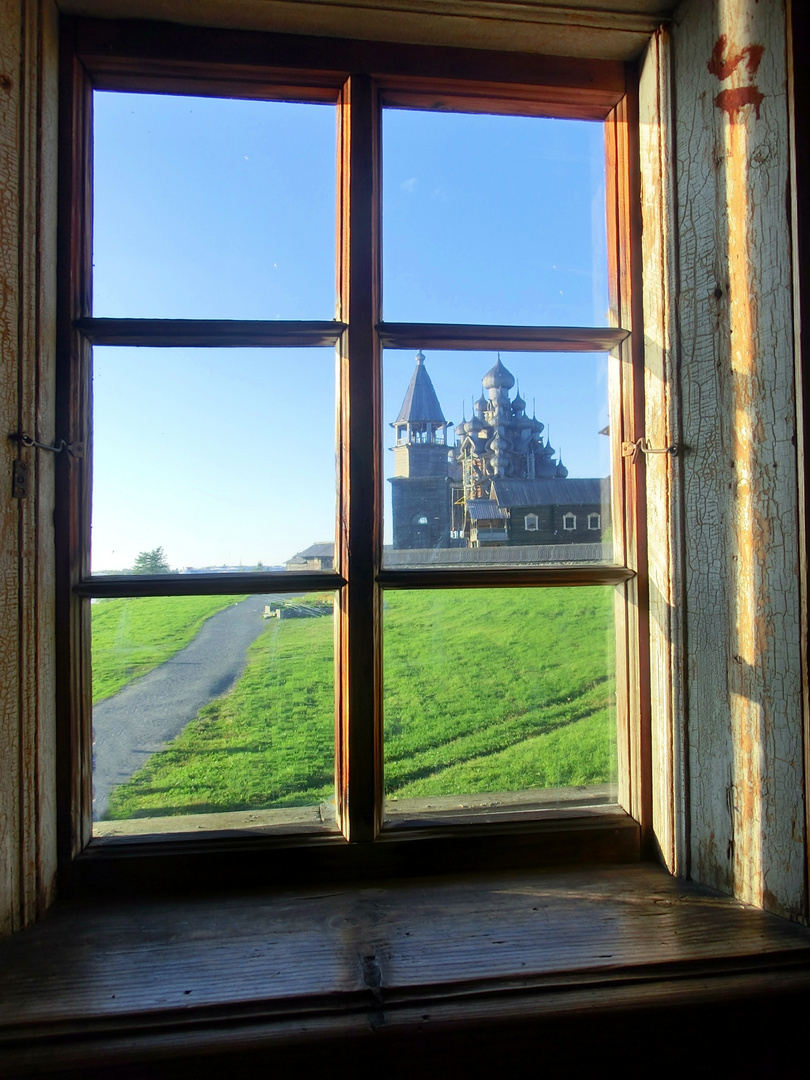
point(640, 446)
point(75, 450)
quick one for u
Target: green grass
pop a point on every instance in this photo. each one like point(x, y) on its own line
point(497, 690)
point(485, 691)
point(132, 635)
point(269, 742)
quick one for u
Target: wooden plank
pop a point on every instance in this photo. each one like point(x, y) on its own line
point(37, 409)
point(632, 379)
point(739, 481)
point(625, 393)
point(97, 985)
point(111, 49)
point(504, 577)
point(162, 863)
point(209, 333)
point(47, 750)
point(207, 584)
point(359, 624)
point(73, 476)
point(798, 26)
point(445, 95)
point(663, 473)
point(618, 31)
point(11, 41)
point(27, 218)
point(519, 338)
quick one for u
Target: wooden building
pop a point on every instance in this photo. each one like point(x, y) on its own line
point(501, 484)
point(319, 556)
point(420, 486)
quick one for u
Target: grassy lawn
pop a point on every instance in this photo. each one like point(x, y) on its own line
point(502, 690)
point(270, 742)
point(132, 635)
point(484, 691)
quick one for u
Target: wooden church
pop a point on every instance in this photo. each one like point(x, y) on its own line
point(501, 483)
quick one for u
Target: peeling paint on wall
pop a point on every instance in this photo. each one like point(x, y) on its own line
point(740, 481)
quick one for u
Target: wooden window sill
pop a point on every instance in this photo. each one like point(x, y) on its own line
point(454, 969)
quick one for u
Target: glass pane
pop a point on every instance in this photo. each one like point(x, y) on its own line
point(493, 219)
point(493, 697)
point(214, 456)
point(207, 208)
point(473, 475)
point(212, 704)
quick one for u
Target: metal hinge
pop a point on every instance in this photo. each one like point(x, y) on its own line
point(19, 480)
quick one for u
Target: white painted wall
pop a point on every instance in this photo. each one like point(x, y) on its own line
point(736, 583)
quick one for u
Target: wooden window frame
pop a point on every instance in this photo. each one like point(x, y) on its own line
point(360, 77)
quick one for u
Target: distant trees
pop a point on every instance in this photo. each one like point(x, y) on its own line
point(152, 562)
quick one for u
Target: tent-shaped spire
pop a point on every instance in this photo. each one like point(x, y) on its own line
point(421, 404)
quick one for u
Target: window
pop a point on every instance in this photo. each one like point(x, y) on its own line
point(460, 575)
point(594, 521)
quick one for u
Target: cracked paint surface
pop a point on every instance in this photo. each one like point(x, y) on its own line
point(740, 480)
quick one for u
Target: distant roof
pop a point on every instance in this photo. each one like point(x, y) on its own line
point(570, 492)
point(421, 403)
point(318, 551)
point(484, 510)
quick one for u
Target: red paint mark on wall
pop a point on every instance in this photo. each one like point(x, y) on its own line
point(731, 101)
point(723, 64)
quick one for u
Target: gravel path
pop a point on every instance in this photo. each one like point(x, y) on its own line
point(146, 714)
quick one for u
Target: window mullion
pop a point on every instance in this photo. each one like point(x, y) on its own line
point(359, 546)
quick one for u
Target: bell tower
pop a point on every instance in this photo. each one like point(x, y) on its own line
point(420, 487)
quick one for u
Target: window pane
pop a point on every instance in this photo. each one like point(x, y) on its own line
point(212, 704)
point(499, 693)
point(493, 219)
point(213, 208)
point(224, 458)
point(473, 475)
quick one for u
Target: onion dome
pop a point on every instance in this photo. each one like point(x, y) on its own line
point(518, 404)
point(500, 442)
point(523, 426)
point(560, 472)
point(481, 405)
point(498, 377)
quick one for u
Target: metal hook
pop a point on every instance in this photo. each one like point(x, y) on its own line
point(74, 449)
point(640, 446)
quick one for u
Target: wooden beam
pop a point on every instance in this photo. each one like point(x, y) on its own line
point(505, 578)
point(517, 338)
point(206, 584)
point(358, 686)
point(799, 104)
point(73, 491)
point(626, 392)
point(210, 333)
point(113, 51)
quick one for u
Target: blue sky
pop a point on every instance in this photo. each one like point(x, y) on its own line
point(209, 208)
